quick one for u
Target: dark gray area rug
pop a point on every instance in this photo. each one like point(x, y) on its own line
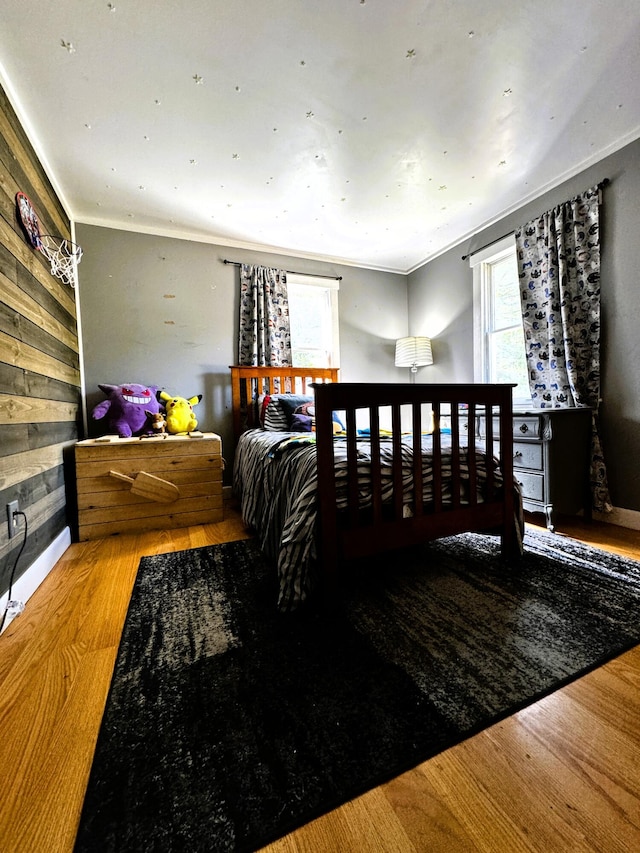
point(228, 725)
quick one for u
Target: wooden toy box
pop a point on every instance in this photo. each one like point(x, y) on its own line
point(107, 504)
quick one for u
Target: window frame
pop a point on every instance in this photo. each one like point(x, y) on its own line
point(332, 287)
point(481, 263)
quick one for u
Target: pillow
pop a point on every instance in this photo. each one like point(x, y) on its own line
point(306, 409)
point(302, 423)
point(338, 425)
point(275, 419)
point(291, 402)
point(279, 410)
point(262, 403)
point(277, 416)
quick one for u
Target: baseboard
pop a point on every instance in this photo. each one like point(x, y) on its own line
point(629, 518)
point(30, 580)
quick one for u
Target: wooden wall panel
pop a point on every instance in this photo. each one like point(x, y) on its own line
point(39, 359)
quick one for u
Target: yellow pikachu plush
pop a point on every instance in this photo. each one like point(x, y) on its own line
point(179, 413)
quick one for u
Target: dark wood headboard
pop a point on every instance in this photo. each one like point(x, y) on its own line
point(248, 382)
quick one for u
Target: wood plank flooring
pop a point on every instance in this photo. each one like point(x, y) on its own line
point(561, 775)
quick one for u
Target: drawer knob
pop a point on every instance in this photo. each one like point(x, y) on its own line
point(524, 428)
point(517, 455)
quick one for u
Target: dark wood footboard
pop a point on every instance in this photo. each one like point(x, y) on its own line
point(416, 409)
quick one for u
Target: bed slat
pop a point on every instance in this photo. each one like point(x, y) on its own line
point(416, 425)
point(396, 475)
point(376, 472)
point(352, 467)
point(471, 457)
point(437, 459)
point(489, 446)
point(456, 477)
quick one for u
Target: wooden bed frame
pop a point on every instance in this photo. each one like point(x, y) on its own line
point(355, 533)
point(248, 382)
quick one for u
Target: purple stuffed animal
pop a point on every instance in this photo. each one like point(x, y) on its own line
point(127, 407)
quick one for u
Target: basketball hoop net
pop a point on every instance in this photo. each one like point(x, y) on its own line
point(63, 256)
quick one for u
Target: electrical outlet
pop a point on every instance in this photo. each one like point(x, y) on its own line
point(12, 519)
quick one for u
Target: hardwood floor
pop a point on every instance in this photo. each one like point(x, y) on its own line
point(561, 775)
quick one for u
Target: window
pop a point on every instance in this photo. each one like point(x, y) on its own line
point(499, 347)
point(313, 313)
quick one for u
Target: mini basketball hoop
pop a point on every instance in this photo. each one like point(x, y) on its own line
point(63, 256)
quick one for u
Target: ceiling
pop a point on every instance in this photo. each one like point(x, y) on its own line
point(369, 132)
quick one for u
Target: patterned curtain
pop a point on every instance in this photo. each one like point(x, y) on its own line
point(265, 335)
point(559, 269)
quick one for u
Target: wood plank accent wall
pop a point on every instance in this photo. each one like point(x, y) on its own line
point(40, 411)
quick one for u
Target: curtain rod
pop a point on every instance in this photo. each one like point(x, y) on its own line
point(291, 272)
point(497, 240)
point(603, 183)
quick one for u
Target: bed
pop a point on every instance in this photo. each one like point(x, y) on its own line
point(385, 466)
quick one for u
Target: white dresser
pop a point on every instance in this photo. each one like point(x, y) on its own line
point(551, 449)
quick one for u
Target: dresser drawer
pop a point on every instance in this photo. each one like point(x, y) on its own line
point(527, 455)
point(526, 426)
point(532, 485)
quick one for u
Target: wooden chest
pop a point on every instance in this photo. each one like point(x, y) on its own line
point(108, 504)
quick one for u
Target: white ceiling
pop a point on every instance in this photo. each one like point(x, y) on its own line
point(373, 132)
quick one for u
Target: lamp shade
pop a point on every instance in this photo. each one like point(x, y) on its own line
point(413, 352)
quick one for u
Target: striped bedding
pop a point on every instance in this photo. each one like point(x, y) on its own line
point(275, 482)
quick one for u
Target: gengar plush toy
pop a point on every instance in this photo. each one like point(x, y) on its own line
point(179, 412)
point(127, 407)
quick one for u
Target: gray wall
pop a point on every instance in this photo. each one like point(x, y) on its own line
point(440, 304)
point(163, 311)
